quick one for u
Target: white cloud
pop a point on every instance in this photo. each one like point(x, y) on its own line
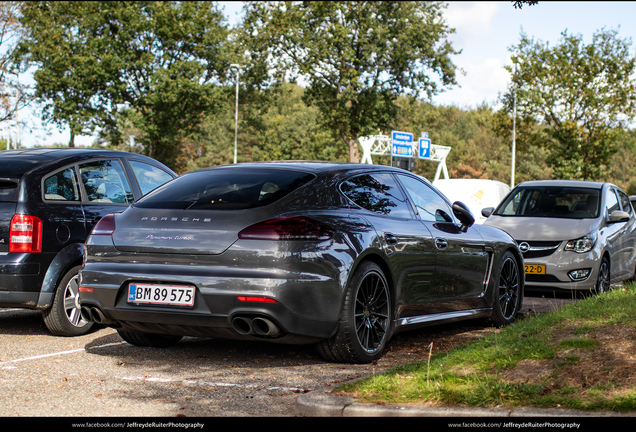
point(484, 80)
point(487, 76)
point(471, 18)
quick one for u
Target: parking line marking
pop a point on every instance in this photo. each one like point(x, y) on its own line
point(13, 310)
point(59, 353)
point(212, 384)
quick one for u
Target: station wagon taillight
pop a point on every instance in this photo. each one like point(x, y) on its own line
point(25, 234)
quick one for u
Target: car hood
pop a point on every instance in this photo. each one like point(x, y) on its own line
point(546, 229)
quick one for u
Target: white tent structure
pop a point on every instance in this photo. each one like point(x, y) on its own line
point(475, 193)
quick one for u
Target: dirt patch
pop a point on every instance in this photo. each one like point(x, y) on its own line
point(610, 362)
point(537, 305)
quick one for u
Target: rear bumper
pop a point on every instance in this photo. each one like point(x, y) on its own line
point(308, 304)
point(288, 328)
point(20, 283)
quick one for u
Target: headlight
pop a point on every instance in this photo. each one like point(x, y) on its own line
point(581, 245)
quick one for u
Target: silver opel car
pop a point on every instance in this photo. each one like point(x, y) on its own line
point(574, 235)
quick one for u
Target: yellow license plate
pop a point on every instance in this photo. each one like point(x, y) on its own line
point(538, 269)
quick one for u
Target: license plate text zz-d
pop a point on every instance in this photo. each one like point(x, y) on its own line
point(535, 269)
point(171, 295)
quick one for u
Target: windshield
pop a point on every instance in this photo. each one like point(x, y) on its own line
point(552, 202)
point(226, 189)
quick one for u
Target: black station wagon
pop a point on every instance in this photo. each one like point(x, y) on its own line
point(50, 199)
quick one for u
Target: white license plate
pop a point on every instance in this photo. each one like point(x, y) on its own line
point(173, 295)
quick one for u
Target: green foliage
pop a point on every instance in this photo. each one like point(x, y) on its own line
point(277, 127)
point(566, 341)
point(160, 61)
point(158, 71)
point(66, 76)
point(291, 130)
point(14, 94)
point(579, 93)
point(357, 57)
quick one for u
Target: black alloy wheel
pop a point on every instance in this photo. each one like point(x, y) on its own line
point(366, 316)
point(508, 295)
point(371, 312)
point(603, 279)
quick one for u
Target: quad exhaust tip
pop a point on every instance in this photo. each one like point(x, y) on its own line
point(93, 314)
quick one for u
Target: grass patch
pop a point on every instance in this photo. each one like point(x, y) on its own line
point(581, 356)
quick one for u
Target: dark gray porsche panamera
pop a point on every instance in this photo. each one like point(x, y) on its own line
point(340, 255)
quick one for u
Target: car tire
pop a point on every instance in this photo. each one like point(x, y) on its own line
point(149, 339)
point(603, 278)
point(64, 317)
point(508, 291)
point(363, 330)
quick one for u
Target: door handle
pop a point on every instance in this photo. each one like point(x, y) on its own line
point(441, 243)
point(390, 238)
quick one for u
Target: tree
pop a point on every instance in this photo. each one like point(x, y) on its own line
point(13, 94)
point(579, 93)
point(355, 57)
point(519, 4)
point(290, 130)
point(159, 63)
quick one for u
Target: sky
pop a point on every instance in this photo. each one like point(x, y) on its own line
point(483, 32)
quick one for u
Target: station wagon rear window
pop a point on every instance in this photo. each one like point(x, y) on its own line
point(226, 189)
point(8, 190)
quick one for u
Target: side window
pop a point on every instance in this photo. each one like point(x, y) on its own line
point(430, 206)
point(378, 193)
point(625, 204)
point(148, 176)
point(611, 202)
point(61, 186)
point(105, 182)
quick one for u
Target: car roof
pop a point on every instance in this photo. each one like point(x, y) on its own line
point(568, 183)
point(14, 163)
point(309, 166)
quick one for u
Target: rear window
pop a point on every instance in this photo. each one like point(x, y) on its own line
point(226, 189)
point(8, 190)
point(552, 201)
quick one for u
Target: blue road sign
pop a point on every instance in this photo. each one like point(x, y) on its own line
point(401, 144)
point(425, 148)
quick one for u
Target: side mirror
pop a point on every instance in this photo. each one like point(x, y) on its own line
point(464, 215)
point(618, 216)
point(485, 212)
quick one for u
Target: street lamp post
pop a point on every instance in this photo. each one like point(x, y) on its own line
point(238, 71)
point(514, 130)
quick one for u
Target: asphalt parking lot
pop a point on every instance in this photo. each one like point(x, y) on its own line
point(98, 375)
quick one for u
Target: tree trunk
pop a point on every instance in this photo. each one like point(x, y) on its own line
point(354, 150)
point(71, 142)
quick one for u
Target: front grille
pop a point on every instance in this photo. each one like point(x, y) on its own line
point(541, 278)
point(539, 249)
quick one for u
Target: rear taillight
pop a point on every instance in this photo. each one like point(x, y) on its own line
point(25, 234)
point(286, 229)
point(105, 226)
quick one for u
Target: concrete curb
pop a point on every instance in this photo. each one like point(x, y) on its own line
point(325, 404)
